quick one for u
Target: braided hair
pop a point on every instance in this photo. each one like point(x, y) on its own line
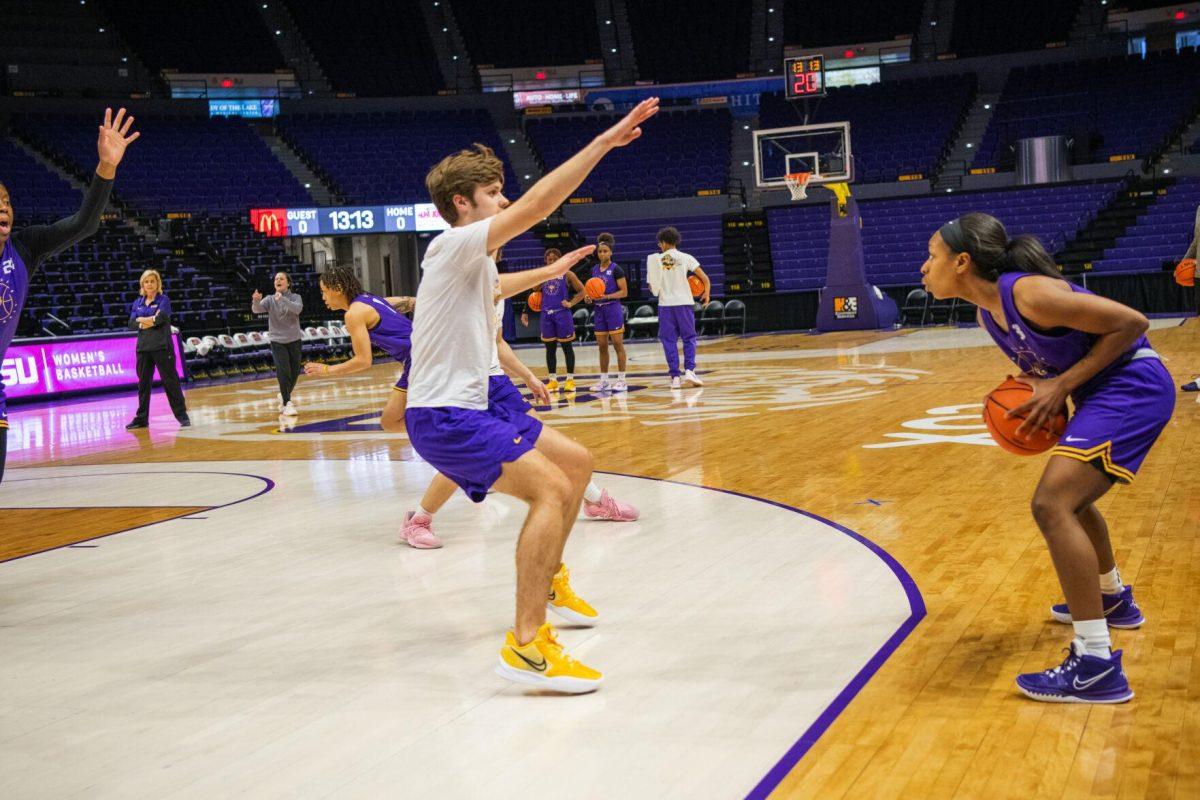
point(342, 279)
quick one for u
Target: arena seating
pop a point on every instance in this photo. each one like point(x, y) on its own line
point(682, 153)
point(383, 157)
point(896, 128)
point(180, 162)
point(983, 29)
point(34, 189)
point(1161, 236)
point(690, 40)
point(1111, 107)
point(896, 231)
point(820, 23)
point(522, 34)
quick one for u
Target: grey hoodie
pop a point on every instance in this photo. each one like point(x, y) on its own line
point(283, 316)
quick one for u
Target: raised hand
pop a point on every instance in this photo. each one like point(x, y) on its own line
point(628, 128)
point(257, 296)
point(114, 138)
point(564, 264)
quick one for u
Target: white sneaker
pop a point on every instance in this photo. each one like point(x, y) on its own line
point(675, 382)
point(602, 386)
point(289, 410)
point(690, 377)
point(620, 386)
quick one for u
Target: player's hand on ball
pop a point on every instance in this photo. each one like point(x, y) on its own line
point(1048, 401)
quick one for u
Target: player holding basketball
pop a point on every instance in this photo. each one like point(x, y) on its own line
point(557, 324)
point(450, 422)
point(22, 253)
point(609, 319)
point(667, 273)
point(1068, 343)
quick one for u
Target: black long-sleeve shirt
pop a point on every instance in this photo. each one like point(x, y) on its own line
point(27, 248)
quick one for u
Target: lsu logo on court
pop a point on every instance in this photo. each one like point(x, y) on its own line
point(19, 371)
point(269, 221)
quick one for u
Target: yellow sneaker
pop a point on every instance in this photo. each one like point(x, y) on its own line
point(543, 663)
point(569, 385)
point(552, 385)
point(567, 604)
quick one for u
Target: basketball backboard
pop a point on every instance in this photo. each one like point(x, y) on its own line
point(823, 150)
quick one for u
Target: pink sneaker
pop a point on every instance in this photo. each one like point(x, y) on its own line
point(418, 532)
point(608, 508)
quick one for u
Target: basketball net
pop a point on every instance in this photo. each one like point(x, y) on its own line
point(797, 184)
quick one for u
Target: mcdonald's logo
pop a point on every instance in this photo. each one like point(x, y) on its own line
point(269, 221)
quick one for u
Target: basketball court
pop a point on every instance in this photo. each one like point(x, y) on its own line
point(834, 578)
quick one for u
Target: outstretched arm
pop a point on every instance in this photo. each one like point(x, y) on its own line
point(405, 305)
point(357, 320)
point(43, 241)
point(512, 283)
point(550, 192)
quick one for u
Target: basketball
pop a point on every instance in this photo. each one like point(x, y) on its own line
point(1005, 397)
point(1185, 272)
point(696, 285)
point(595, 288)
point(534, 302)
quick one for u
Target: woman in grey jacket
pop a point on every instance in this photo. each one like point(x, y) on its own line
point(283, 329)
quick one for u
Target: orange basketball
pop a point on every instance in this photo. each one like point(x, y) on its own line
point(595, 288)
point(534, 302)
point(1185, 272)
point(697, 285)
point(1005, 397)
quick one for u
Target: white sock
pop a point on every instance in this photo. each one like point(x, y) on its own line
point(592, 492)
point(1094, 635)
point(422, 512)
point(1110, 582)
point(620, 376)
point(604, 377)
point(570, 377)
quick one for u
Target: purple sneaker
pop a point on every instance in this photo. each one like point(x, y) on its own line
point(1081, 678)
point(1120, 610)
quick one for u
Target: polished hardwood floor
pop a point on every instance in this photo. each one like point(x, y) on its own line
point(876, 432)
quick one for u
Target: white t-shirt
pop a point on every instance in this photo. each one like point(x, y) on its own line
point(667, 274)
point(453, 338)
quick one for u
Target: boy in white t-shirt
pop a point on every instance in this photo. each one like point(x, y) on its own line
point(449, 419)
point(667, 274)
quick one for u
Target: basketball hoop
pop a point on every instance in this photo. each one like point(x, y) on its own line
point(797, 184)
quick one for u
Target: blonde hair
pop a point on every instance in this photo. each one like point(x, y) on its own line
point(460, 174)
point(150, 273)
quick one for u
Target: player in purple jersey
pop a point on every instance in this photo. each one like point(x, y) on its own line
point(371, 322)
point(609, 319)
point(1068, 343)
point(556, 322)
point(22, 253)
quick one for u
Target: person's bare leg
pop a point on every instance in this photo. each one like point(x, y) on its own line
point(576, 463)
point(618, 340)
point(546, 488)
point(602, 342)
point(1097, 532)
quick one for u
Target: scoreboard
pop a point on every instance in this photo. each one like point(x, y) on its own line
point(347, 220)
point(804, 76)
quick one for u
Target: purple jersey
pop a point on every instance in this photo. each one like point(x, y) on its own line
point(554, 292)
point(610, 277)
point(1044, 354)
point(393, 334)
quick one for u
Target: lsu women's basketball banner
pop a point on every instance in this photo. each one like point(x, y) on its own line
point(34, 369)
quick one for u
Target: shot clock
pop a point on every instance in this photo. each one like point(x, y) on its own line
point(804, 76)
